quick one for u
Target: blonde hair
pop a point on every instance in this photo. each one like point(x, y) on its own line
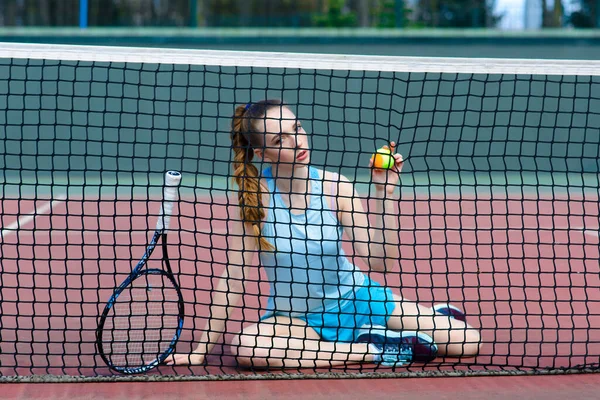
point(244, 137)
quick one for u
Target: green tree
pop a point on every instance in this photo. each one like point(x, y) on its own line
point(336, 14)
point(456, 13)
point(552, 18)
point(588, 16)
point(385, 14)
point(271, 13)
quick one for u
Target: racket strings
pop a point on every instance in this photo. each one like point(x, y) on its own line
point(143, 321)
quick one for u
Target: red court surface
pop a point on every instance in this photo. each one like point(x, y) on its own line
point(525, 270)
point(560, 387)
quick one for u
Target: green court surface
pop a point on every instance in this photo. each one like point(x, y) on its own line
point(139, 185)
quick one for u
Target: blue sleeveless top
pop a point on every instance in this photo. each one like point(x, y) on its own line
point(308, 271)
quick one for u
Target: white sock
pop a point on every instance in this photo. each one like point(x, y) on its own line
point(375, 351)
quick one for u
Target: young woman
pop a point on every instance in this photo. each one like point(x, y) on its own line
point(322, 310)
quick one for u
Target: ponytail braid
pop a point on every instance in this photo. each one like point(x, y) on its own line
point(246, 176)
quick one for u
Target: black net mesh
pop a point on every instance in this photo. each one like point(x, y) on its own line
point(497, 209)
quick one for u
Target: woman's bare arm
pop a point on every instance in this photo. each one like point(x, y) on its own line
point(241, 249)
point(376, 241)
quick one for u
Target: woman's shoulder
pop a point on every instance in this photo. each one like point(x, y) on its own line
point(335, 184)
point(333, 177)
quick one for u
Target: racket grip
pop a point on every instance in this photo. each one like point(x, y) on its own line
point(170, 195)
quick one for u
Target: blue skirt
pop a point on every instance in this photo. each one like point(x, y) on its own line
point(371, 304)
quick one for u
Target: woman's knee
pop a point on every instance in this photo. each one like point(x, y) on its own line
point(250, 350)
point(472, 345)
point(268, 344)
point(464, 343)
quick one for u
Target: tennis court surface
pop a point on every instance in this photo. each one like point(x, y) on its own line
point(499, 211)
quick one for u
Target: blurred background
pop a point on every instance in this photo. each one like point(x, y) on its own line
point(409, 14)
point(463, 28)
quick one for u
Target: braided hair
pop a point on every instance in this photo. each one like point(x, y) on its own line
point(245, 136)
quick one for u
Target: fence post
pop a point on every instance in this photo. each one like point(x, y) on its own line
point(83, 14)
point(193, 14)
point(400, 13)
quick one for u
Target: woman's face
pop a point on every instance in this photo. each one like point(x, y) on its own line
point(284, 140)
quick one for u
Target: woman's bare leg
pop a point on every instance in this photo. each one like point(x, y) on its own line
point(454, 338)
point(290, 343)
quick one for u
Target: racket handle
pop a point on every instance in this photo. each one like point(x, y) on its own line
point(170, 195)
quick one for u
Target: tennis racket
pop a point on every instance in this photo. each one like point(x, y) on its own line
point(143, 318)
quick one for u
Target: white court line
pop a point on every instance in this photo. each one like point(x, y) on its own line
point(25, 219)
point(137, 232)
point(87, 232)
point(591, 233)
point(587, 232)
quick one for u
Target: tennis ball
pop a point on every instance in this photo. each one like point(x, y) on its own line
point(383, 159)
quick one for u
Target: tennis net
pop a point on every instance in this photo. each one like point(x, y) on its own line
point(498, 211)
